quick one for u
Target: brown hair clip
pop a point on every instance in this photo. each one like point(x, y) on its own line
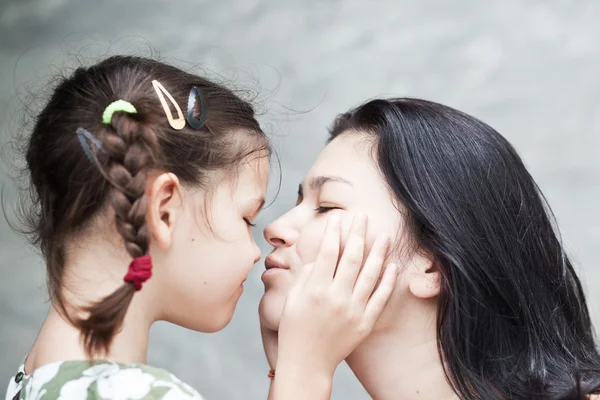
point(176, 123)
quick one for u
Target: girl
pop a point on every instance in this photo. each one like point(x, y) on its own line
point(114, 159)
point(488, 305)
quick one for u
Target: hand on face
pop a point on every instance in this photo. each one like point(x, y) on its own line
point(342, 181)
point(333, 305)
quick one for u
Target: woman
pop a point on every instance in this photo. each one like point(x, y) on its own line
point(487, 305)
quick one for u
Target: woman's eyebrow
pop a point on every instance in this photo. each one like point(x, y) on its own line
point(317, 183)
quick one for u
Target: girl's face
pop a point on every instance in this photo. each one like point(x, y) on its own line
point(205, 249)
point(343, 180)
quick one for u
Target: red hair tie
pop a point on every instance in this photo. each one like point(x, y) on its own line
point(140, 270)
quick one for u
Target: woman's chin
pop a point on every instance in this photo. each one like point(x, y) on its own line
point(270, 310)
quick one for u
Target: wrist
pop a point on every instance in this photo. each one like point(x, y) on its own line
point(304, 362)
point(304, 371)
point(300, 381)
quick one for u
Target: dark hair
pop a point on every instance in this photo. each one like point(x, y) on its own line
point(67, 190)
point(512, 321)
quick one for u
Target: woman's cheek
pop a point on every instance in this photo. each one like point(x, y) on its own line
point(312, 235)
point(310, 240)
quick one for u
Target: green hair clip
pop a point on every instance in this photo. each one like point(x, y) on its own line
point(117, 106)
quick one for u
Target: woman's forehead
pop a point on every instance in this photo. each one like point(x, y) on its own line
point(343, 157)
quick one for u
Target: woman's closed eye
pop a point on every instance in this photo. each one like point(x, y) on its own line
point(249, 223)
point(324, 209)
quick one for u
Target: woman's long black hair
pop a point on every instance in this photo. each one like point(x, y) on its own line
point(513, 321)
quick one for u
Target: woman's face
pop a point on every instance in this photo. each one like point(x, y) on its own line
point(343, 180)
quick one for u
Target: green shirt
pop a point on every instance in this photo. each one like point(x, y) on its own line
point(103, 380)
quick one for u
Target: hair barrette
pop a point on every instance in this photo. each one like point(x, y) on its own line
point(117, 106)
point(176, 123)
point(85, 138)
point(196, 96)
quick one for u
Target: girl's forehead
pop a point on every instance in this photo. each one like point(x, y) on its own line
point(252, 176)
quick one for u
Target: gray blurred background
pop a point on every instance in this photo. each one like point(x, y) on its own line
point(531, 69)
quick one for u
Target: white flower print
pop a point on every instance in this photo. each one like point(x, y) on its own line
point(178, 394)
point(127, 384)
point(101, 370)
point(107, 380)
point(78, 388)
point(13, 389)
point(175, 379)
point(185, 386)
point(75, 389)
point(35, 389)
point(179, 390)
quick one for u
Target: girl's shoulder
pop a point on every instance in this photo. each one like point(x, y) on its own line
point(103, 380)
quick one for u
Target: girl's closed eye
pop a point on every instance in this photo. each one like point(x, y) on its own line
point(252, 211)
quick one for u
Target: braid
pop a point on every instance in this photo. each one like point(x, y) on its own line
point(132, 150)
point(132, 158)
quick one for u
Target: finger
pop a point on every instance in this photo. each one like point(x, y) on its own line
point(328, 256)
point(371, 272)
point(303, 277)
point(352, 256)
point(381, 296)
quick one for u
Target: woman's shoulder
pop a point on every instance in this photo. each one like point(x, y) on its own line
point(104, 380)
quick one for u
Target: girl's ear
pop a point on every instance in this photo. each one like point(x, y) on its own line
point(164, 207)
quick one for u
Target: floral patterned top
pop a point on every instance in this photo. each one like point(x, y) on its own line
point(105, 380)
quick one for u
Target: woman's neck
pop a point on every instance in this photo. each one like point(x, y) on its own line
point(402, 362)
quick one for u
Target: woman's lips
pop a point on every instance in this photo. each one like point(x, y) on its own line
point(271, 263)
point(273, 268)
